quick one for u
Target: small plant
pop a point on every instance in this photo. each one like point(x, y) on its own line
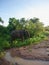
point(30, 41)
point(6, 44)
point(2, 54)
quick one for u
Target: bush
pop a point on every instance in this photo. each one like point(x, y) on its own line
point(2, 54)
point(18, 43)
point(14, 44)
point(6, 44)
point(34, 40)
point(46, 33)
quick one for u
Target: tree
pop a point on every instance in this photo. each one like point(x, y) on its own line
point(22, 23)
point(1, 20)
point(47, 28)
point(35, 27)
point(34, 20)
point(13, 24)
point(39, 29)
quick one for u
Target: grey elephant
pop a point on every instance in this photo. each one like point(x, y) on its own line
point(19, 34)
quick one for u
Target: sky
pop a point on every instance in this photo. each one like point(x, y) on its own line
point(24, 9)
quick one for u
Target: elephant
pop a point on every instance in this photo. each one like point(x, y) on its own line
point(19, 34)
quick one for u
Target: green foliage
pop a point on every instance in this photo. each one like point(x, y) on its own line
point(19, 43)
point(36, 29)
point(33, 41)
point(2, 53)
point(47, 28)
point(1, 20)
point(4, 38)
point(46, 33)
point(6, 44)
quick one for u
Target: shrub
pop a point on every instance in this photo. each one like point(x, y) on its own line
point(34, 40)
point(46, 33)
point(14, 44)
point(18, 43)
point(4, 41)
point(2, 54)
point(5, 44)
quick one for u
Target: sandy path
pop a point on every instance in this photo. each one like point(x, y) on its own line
point(21, 61)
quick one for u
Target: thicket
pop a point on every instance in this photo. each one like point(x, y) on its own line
point(36, 29)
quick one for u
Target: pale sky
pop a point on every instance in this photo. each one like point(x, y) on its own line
point(24, 8)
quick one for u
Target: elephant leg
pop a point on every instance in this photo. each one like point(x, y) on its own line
point(22, 38)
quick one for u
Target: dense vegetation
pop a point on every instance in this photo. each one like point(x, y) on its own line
point(36, 29)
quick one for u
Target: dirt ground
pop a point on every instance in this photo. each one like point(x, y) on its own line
point(4, 62)
point(21, 61)
point(39, 52)
point(29, 55)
